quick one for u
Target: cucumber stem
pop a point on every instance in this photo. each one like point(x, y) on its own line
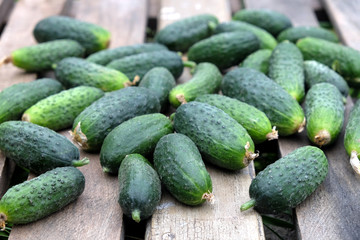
point(354, 161)
point(82, 162)
point(249, 156)
point(302, 126)
point(25, 117)
point(247, 205)
point(5, 60)
point(79, 137)
point(181, 98)
point(208, 196)
point(134, 82)
point(189, 64)
point(136, 215)
point(3, 219)
point(273, 134)
point(322, 138)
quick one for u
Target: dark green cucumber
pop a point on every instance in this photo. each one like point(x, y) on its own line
point(137, 135)
point(37, 148)
point(42, 56)
point(295, 33)
point(181, 169)
point(224, 49)
point(221, 140)
point(324, 111)
point(252, 119)
point(161, 81)
point(140, 64)
point(106, 56)
point(258, 60)
point(206, 79)
point(92, 37)
point(267, 41)
point(182, 34)
point(286, 68)
point(93, 124)
point(41, 196)
point(60, 110)
point(15, 99)
point(272, 21)
point(139, 187)
point(254, 88)
point(288, 181)
point(72, 72)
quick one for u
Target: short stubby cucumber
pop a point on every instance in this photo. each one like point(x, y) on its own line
point(258, 60)
point(136, 135)
point(181, 169)
point(41, 196)
point(60, 110)
point(324, 111)
point(288, 181)
point(206, 79)
point(72, 72)
point(254, 88)
point(295, 33)
point(221, 140)
point(139, 187)
point(15, 99)
point(252, 119)
point(37, 148)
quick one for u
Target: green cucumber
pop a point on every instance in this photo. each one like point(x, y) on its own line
point(136, 135)
point(206, 79)
point(252, 119)
point(224, 49)
point(295, 33)
point(139, 187)
point(60, 110)
point(182, 170)
point(41, 196)
point(288, 181)
point(15, 99)
point(258, 60)
point(324, 111)
point(221, 140)
point(254, 88)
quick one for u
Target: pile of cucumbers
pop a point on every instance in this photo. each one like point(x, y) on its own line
point(117, 102)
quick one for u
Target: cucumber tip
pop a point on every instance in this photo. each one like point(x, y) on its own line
point(3, 219)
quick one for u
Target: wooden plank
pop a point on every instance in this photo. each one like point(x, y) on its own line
point(5, 10)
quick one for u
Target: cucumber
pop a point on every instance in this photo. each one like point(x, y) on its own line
point(258, 60)
point(295, 33)
point(182, 170)
point(59, 110)
point(91, 36)
point(15, 99)
point(324, 111)
point(42, 56)
point(137, 135)
point(41, 196)
point(221, 140)
point(206, 79)
point(104, 57)
point(92, 125)
point(180, 35)
point(288, 181)
point(224, 49)
point(139, 187)
point(267, 41)
point(286, 67)
point(37, 148)
point(73, 72)
point(254, 88)
point(253, 120)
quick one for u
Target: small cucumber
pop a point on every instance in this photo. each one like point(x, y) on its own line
point(139, 187)
point(295, 33)
point(258, 60)
point(182, 170)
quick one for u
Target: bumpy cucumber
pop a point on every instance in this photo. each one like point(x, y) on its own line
point(258, 60)
point(139, 187)
point(324, 111)
point(288, 181)
point(295, 33)
point(181, 169)
point(221, 140)
point(41, 196)
point(59, 110)
point(137, 135)
point(253, 120)
point(93, 124)
point(254, 88)
point(15, 99)
point(37, 148)
point(206, 79)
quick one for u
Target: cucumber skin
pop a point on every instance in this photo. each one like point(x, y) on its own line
point(181, 169)
point(139, 186)
point(220, 139)
point(137, 135)
point(206, 79)
point(258, 60)
point(43, 195)
point(352, 130)
point(60, 110)
point(293, 34)
point(15, 99)
point(254, 88)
